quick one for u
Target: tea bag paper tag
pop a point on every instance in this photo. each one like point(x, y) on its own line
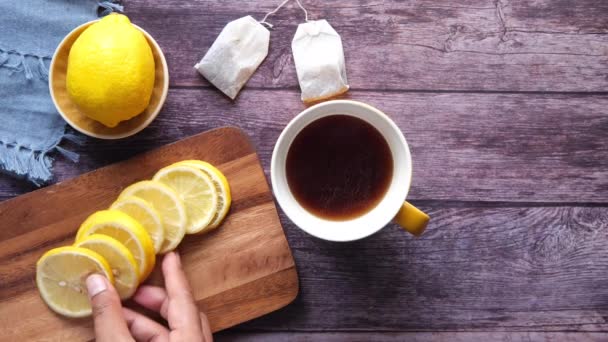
point(235, 54)
point(319, 59)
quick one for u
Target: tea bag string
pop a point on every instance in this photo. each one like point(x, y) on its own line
point(264, 22)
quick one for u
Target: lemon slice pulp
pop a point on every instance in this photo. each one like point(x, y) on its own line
point(168, 204)
point(127, 231)
point(197, 192)
point(221, 186)
point(61, 279)
point(124, 268)
point(146, 215)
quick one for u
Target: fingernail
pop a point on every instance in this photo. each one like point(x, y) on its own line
point(96, 284)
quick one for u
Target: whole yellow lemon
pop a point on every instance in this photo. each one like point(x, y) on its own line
point(110, 72)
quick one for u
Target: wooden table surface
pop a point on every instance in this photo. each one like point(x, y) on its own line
point(505, 107)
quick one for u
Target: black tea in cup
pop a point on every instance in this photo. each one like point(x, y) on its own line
point(339, 167)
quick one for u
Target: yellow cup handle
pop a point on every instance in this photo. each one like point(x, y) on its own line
point(412, 219)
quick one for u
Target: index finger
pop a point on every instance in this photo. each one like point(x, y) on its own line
point(183, 314)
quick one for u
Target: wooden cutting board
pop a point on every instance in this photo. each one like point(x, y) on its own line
point(238, 272)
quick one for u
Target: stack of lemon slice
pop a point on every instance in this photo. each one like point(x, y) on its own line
point(148, 218)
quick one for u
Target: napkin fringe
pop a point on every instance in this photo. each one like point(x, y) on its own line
point(110, 6)
point(19, 62)
point(22, 161)
point(3, 57)
point(34, 165)
point(42, 69)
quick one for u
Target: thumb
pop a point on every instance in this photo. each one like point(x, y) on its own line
point(110, 325)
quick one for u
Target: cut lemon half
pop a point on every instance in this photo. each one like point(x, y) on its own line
point(123, 266)
point(146, 215)
point(61, 275)
point(168, 204)
point(197, 192)
point(127, 231)
point(221, 185)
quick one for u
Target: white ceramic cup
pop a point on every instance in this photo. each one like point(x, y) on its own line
point(375, 219)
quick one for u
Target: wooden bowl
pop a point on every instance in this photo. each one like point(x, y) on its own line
point(75, 118)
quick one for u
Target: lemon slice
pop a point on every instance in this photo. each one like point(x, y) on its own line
point(221, 186)
point(123, 266)
point(127, 231)
point(197, 192)
point(168, 204)
point(61, 275)
point(146, 215)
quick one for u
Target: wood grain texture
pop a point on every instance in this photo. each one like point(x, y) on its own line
point(478, 267)
point(469, 147)
point(413, 337)
point(503, 103)
point(514, 45)
point(240, 271)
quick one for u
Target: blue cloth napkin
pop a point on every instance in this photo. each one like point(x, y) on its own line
point(30, 127)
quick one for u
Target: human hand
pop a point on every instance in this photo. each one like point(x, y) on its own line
point(113, 323)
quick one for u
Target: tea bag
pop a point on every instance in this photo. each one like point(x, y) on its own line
point(318, 56)
point(319, 59)
point(235, 54)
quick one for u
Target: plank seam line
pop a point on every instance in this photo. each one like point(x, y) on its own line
point(470, 330)
point(502, 204)
point(423, 91)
